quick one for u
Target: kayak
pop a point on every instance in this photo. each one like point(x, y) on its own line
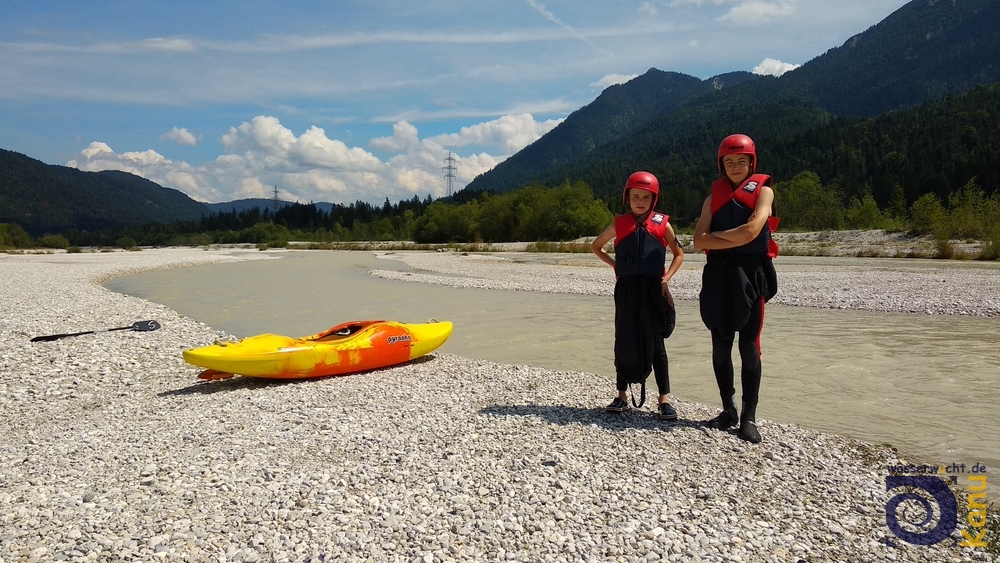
point(349, 347)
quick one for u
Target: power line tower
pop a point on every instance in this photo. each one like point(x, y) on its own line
point(449, 172)
point(276, 199)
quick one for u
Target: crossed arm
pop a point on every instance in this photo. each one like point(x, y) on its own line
point(738, 236)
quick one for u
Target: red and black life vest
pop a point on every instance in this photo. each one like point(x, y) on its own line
point(641, 247)
point(732, 208)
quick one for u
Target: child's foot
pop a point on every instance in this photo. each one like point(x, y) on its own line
point(748, 431)
point(618, 405)
point(726, 419)
point(667, 412)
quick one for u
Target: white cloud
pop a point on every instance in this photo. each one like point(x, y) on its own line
point(510, 133)
point(170, 45)
point(611, 80)
point(262, 154)
point(648, 8)
point(148, 164)
point(753, 12)
point(181, 136)
point(404, 137)
point(773, 67)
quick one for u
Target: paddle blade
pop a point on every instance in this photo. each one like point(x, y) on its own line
point(145, 326)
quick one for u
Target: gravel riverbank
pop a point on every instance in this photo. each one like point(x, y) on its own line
point(870, 284)
point(110, 451)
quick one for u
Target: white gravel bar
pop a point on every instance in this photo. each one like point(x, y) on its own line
point(870, 284)
point(111, 451)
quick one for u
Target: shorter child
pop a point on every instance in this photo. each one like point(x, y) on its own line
point(643, 304)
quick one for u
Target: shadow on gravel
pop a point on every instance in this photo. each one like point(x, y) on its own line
point(559, 414)
point(237, 383)
point(226, 385)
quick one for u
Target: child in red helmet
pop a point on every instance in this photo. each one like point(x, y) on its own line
point(735, 232)
point(644, 308)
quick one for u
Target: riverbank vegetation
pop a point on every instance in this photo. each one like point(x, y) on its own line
point(548, 217)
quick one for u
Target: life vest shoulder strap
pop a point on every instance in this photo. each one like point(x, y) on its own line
point(656, 224)
point(746, 194)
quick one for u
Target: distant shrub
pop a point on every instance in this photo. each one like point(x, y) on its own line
point(12, 235)
point(52, 241)
point(127, 243)
point(927, 215)
point(73, 249)
point(863, 213)
point(570, 247)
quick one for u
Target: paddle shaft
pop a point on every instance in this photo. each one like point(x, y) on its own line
point(142, 326)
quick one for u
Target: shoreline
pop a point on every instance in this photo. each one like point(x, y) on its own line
point(863, 284)
point(115, 450)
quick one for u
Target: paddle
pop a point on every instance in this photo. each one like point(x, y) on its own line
point(141, 326)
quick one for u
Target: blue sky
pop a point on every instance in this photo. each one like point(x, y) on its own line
point(357, 100)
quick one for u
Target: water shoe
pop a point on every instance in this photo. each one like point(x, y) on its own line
point(725, 419)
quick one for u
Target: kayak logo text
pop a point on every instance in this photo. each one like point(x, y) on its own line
point(402, 338)
point(922, 508)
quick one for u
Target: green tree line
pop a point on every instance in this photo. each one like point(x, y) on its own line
point(536, 213)
point(530, 214)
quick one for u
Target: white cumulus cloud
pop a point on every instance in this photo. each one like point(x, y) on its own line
point(773, 67)
point(262, 154)
point(181, 136)
point(509, 133)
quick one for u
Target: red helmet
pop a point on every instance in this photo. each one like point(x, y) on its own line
point(642, 181)
point(738, 144)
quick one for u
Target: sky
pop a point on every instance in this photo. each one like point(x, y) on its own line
point(358, 100)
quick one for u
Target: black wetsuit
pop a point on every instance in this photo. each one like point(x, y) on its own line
point(735, 285)
point(643, 316)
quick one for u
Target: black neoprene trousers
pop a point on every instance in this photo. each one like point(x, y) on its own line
point(749, 346)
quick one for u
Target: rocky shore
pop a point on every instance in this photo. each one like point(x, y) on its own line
point(110, 451)
point(901, 286)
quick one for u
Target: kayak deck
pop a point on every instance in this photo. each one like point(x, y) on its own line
point(349, 347)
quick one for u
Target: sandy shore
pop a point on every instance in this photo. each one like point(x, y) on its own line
point(110, 451)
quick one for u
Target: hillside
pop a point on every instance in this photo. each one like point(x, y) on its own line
point(924, 51)
point(933, 148)
point(46, 198)
point(618, 110)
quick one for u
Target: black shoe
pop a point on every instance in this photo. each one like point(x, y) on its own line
point(667, 412)
point(618, 405)
point(725, 420)
point(748, 431)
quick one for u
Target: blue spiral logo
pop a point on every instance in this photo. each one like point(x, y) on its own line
point(942, 497)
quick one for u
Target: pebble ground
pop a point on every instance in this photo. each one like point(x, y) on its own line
point(111, 451)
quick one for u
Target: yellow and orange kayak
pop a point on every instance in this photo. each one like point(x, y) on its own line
point(346, 348)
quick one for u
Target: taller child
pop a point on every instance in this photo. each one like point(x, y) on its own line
point(643, 305)
point(735, 232)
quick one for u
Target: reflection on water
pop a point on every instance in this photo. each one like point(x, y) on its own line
point(923, 383)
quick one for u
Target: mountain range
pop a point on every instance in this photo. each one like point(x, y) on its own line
point(926, 50)
point(665, 122)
